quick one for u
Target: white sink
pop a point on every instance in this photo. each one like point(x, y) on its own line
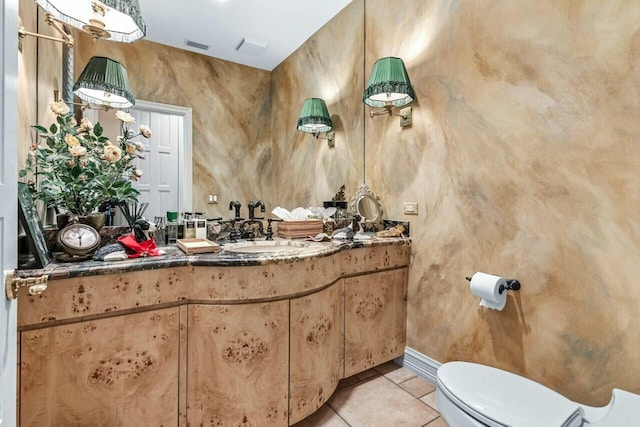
point(280, 247)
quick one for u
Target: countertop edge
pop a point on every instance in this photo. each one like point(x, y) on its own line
point(176, 258)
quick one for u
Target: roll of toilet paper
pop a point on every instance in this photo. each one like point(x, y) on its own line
point(487, 288)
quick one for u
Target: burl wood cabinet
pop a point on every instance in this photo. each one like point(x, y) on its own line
point(375, 319)
point(237, 364)
point(118, 371)
point(261, 345)
point(316, 350)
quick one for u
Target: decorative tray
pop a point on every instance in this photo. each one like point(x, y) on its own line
point(197, 246)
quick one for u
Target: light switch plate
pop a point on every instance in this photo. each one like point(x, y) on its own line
point(411, 208)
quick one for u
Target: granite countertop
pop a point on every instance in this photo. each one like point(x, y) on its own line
point(174, 257)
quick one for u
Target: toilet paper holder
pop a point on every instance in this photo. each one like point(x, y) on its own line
point(512, 285)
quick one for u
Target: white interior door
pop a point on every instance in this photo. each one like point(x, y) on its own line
point(9, 205)
point(166, 180)
point(161, 184)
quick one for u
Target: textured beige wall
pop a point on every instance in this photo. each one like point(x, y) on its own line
point(27, 95)
point(328, 66)
point(39, 74)
point(523, 156)
point(231, 150)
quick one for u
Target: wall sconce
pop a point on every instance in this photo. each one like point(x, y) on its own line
point(104, 83)
point(389, 86)
point(314, 119)
point(116, 20)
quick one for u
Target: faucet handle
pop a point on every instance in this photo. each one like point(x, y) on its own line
point(269, 228)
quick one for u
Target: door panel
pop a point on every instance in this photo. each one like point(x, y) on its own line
point(375, 319)
point(166, 180)
point(118, 371)
point(160, 183)
point(9, 205)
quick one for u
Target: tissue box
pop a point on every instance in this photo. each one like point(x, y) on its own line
point(298, 229)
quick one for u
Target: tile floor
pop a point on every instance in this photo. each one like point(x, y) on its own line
point(386, 396)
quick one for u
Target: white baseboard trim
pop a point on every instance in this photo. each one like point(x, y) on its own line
point(422, 365)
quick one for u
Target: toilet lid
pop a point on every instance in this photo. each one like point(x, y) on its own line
point(501, 398)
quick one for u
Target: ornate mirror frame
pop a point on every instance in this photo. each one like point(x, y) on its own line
point(365, 203)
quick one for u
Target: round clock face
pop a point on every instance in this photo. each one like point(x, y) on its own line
point(78, 239)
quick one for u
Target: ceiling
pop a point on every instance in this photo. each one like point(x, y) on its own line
point(272, 29)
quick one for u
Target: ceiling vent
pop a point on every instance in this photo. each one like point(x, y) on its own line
point(196, 45)
point(251, 47)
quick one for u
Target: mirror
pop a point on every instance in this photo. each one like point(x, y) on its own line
point(367, 204)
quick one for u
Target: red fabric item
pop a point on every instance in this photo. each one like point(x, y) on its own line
point(141, 249)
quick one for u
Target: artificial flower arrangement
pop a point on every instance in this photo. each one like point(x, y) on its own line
point(78, 168)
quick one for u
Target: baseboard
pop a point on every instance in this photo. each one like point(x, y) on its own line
point(422, 365)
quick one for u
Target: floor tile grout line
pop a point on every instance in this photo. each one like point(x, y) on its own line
point(396, 385)
point(338, 414)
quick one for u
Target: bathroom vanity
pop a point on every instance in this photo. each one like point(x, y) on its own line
point(218, 339)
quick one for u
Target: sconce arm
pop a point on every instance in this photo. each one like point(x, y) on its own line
point(386, 110)
point(49, 19)
point(331, 136)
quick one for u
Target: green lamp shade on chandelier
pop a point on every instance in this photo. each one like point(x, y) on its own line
point(314, 117)
point(104, 82)
point(121, 22)
point(388, 84)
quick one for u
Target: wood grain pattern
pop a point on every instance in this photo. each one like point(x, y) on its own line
point(109, 372)
point(375, 319)
point(238, 364)
point(315, 351)
point(222, 364)
point(182, 376)
point(87, 297)
point(107, 294)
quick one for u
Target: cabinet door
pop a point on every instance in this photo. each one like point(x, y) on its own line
point(375, 319)
point(315, 350)
point(237, 372)
point(120, 371)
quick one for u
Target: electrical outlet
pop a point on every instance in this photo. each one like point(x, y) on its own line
point(212, 199)
point(411, 208)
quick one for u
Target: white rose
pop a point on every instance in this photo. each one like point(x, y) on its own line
point(145, 131)
point(59, 108)
point(125, 118)
point(85, 124)
point(77, 150)
point(71, 140)
point(136, 175)
point(112, 153)
point(139, 146)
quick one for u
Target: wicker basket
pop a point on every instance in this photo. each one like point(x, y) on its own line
point(298, 229)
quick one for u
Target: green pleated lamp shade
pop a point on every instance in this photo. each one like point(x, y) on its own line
point(388, 84)
point(104, 82)
point(314, 117)
point(122, 21)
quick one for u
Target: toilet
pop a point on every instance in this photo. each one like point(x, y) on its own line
point(469, 394)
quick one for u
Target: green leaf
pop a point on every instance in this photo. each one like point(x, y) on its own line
point(53, 128)
point(22, 173)
point(97, 129)
point(39, 129)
